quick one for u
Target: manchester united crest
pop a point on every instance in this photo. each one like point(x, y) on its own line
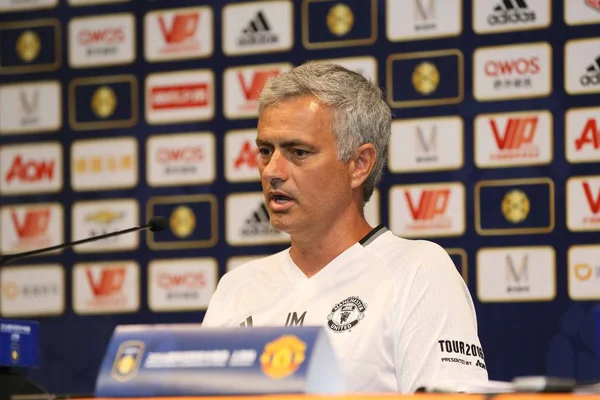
point(346, 314)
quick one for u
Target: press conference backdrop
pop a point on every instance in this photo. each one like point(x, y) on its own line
point(114, 111)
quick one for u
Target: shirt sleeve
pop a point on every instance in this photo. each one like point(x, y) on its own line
point(436, 327)
point(214, 316)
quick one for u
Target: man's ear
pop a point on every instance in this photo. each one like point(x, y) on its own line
point(363, 163)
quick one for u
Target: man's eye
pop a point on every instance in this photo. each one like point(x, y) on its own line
point(299, 153)
point(264, 152)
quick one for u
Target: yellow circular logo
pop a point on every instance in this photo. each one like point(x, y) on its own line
point(340, 19)
point(182, 221)
point(282, 357)
point(126, 364)
point(515, 206)
point(14, 355)
point(28, 46)
point(10, 290)
point(425, 78)
point(104, 102)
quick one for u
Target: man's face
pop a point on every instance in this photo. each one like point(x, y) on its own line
point(304, 184)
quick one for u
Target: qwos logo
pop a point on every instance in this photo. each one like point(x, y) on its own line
point(427, 210)
point(513, 139)
point(185, 96)
point(181, 284)
point(106, 40)
point(582, 135)
point(34, 168)
point(242, 86)
point(514, 71)
point(178, 159)
point(180, 33)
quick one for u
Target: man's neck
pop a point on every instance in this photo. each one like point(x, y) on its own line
point(313, 251)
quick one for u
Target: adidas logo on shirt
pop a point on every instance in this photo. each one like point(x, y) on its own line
point(258, 31)
point(592, 74)
point(258, 224)
point(511, 11)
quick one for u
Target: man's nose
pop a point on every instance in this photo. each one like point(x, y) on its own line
point(276, 168)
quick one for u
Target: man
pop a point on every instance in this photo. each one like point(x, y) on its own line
point(397, 311)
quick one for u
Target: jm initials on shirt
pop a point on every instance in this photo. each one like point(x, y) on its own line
point(292, 320)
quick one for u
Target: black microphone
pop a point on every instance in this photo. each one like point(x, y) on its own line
point(155, 224)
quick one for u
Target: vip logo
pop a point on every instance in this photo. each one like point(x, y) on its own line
point(427, 210)
point(111, 287)
point(257, 27)
point(513, 139)
point(593, 201)
point(514, 71)
point(109, 283)
point(591, 77)
point(583, 203)
point(30, 227)
point(105, 40)
point(431, 206)
point(181, 33)
point(242, 86)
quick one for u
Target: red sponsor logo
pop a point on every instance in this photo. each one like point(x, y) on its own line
point(252, 89)
point(30, 170)
point(186, 155)
point(516, 140)
point(593, 200)
point(593, 3)
point(32, 229)
point(429, 211)
point(179, 96)
point(107, 288)
point(590, 135)
point(181, 36)
point(186, 280)
point(512, 67)
point(105, 36)
point(247, 157)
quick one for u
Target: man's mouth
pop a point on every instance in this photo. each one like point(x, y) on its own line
point(280, 199)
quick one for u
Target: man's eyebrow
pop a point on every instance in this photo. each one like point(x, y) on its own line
point(286, 144)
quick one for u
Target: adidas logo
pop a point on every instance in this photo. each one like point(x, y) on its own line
point(592, 74)
point(511, 11)
point(258, 31)
point(259, 224)
point(594, 4)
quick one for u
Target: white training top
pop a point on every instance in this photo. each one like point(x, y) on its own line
point(397, 311)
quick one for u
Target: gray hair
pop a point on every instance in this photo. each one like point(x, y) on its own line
point(360, 115)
